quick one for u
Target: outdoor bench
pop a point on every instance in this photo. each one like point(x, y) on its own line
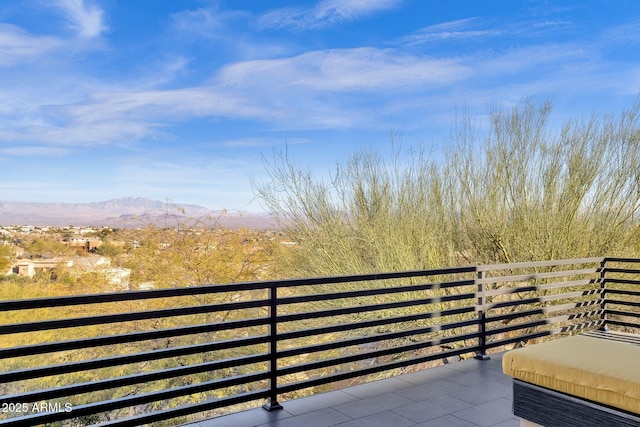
point(583, 380)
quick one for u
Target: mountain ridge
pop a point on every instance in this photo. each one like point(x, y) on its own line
point(125, 212)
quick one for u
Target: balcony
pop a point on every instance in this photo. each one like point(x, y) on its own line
point(469, 393)
point(198, 354)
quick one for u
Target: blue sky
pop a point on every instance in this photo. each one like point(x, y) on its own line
point(179, 100)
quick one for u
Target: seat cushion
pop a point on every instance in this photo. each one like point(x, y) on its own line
point(596, 369)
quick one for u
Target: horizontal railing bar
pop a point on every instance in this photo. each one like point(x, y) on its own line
point(624, 303)
point(611, 291)
point(372, 277)
point(555, 285)
point(369, 308)
point(542, 310)
point(371, 323)
point(288, 388)
point(621, 281)
point(303, 367)
point(627, 260)
point(545, 333)
point(624, 313)
point(219, 288)
point(45, 348)
point(85, 365)
point(536, 276)
point(127, 317)
point(543, 298)
point(375, 338)
point(372, 292)
point(520, 338)
point(622, 270)
point(618, 337)
point(154, 396)
point(65, 301)
point(128, 380)
point(533, 264)
point(545, 321)
point(621, 323)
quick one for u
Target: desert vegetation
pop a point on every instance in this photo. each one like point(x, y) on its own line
point(520, 187)
point(195, 252)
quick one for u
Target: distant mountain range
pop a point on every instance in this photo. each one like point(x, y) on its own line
point(124, 212)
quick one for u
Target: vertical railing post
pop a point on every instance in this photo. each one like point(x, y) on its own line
point(603, 294)
point(272, 401)
point(481, 354)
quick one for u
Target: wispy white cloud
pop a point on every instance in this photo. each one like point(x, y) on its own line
point(33, 151)
point(231, 30)
point(17, 46)
point(210, 23)
point(155, 74)
point(349, 10)
point(627, 33)
point(349, 70)
point(559, 23)
point(527, 59)
point(81, 134)
point(315, 90)
point(335, 88)
point(476, 29)
point(178, 104)
point(449, 31)
point(325, 13)
point(121, 116)
point(84, 17)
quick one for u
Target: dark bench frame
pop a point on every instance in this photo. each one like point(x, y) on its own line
point(554, 409)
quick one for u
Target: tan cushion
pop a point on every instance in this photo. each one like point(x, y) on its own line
point(596, 369)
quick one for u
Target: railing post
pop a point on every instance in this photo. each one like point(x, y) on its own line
point(603, 294)
point(272, 402)
point(481, 354)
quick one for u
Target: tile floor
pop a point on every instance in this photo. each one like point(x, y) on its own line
point(470, 393)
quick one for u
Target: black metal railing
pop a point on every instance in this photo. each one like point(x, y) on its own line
point(141, 357)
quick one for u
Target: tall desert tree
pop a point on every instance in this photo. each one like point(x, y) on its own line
point(525, 191)
point(519, 187)
point(375, 213)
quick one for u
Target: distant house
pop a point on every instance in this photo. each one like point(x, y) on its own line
point(88, 245)
point(115, 276)
point(25, 269)
point(29, 268)
point(79, 265)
